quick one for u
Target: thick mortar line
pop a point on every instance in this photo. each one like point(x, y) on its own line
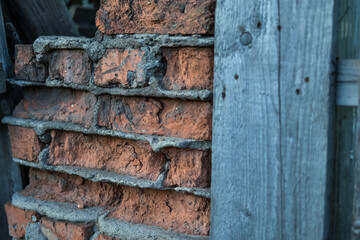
point(156, 142)
point(153, 90)
point(58, 210)
point(105, 176)
point(131, 231)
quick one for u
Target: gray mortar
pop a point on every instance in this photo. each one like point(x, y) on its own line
point(125, 230)
point(58, 210)
point(156, 142)
point(152, 90)
point(45, 44)
point(153, 60)
point(33, 232)
point(96, 175)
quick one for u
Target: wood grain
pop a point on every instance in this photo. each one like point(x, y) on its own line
point(272, 108)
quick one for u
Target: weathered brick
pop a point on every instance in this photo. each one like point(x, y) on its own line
point(104, 237)
point(53, 104)
point(164, 117)
point(183, 213)
point(162, 16)
point(18, 219)
point(53, 230)
point(26, 67)
point(189, 68)
point(25, 144)
point(61, 187)
point(70, 66)
point(188, 168)
point(134, 158)
point(123, 68)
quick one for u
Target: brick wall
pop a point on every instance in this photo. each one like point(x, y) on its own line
point(116, 130)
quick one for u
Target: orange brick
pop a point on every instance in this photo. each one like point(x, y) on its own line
point(162, 16)
point(135, 158)
point(123, 68)
point(164, 117)
point(18, 219)
point(62, 187)
point(26, 67)
point(188, 168)
point(53, 104)
point(70, 66)
point(189, 68)
point(65, 230)
point(182, 213)
point(25, 144)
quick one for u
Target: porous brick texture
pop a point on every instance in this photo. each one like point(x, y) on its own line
point(164, 117)
point(117, 128)
point(61, 187)
point(18, 219)
point(63, 105)
point(104, 237)
point(124, 68)
point(134, 158)
point(162, 16)
point(189, 68)
point(25, 144)
point(53, 230)
point(26, 66)
point(166, 209)
point(70, 66)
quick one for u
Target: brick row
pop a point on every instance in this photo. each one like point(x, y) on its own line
point(188, 68)
point(188, 167)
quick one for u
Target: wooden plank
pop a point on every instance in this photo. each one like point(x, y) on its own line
point(35, 18)
point(272, 106)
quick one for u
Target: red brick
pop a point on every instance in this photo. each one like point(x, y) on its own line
point(182, 213)
point(26, 67)
point(164, 117)
point(189, 68)
point(123, 68)
point(18, 219)
point(70, 66)
point(61, 187)
point(162, 16)
point(51, 104)
point(104, 237)
point(65, 230)
point(25, 144)
point(188, 168)
point(134, 158)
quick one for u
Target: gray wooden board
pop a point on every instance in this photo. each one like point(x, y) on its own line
point(270, 124)
point(41, 18)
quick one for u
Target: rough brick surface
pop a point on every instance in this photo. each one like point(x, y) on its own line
point(70, 66)
point(26, 67)
point(104, 237)
point(189, 68)
point(127, 157)
point(162, 16)
point(188, 168)
point(61, 187)
point(18, 219)
point(25, 144)
point(52, 104)
point(65, 230)
point(123, 68)
point(166, 209)
point(165, 117)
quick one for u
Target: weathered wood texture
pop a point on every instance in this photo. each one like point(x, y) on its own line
point(272, 106)
point(348, 47)
point(35, 18)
